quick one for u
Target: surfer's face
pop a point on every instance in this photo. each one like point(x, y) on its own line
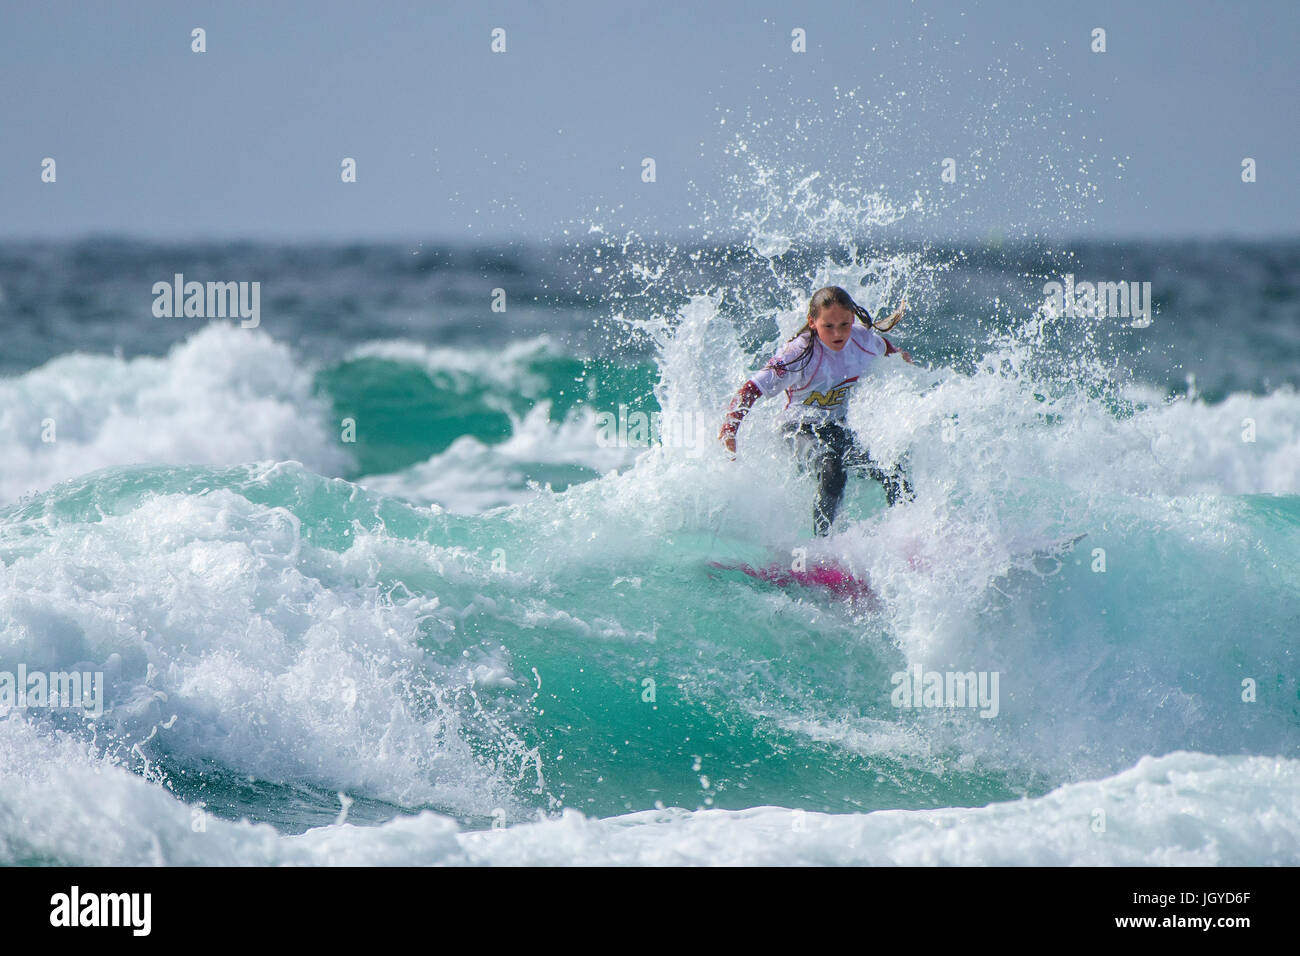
point(833, 326)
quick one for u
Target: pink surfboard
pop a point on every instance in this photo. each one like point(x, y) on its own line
point(835, 580)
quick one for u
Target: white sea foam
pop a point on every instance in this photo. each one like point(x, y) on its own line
point(224, 635)
point(224, 395)
point(60, 803)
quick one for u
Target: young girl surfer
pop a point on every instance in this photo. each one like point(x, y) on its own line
point(817, 368)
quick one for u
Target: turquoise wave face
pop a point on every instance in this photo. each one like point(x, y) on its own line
point(409, 411)
point(644, 681)
point(581, 651)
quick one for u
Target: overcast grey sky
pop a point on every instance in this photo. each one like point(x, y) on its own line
point(454, 141)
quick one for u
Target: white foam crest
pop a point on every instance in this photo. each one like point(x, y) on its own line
point(1180, 810)
point(276, 658)
point(61, 803)
point(225, 395)
point(468, 368)
point(1019, 471)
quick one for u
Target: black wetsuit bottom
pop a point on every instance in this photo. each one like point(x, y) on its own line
point(829, 450)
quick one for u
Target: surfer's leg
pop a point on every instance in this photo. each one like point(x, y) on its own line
point(831, 477)
point(819, 449)
point(894, 480)
point(803, 445)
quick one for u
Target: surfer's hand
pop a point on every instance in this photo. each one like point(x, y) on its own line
point(727, 435)
point(907, 357)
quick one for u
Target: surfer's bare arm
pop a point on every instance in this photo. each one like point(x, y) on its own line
point(741, 404)
point(890, 349)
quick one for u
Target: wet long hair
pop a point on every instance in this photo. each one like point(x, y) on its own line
point(821, 300)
